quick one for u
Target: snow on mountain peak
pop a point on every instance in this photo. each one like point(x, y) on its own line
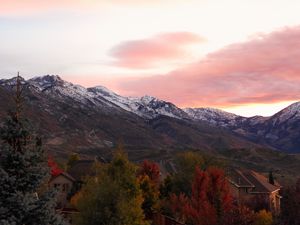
point(43, 82)
point(212, 115)
point(12, 81)
point(290, 112)
point(147, 99)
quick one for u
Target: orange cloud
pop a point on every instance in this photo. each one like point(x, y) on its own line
point(147, 52)
point(263, 70)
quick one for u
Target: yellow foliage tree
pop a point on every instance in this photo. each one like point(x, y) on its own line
point(112, 197)
point(263, 218)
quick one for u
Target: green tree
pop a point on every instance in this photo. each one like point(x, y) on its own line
point(73, 158)
point(23, 172)
point(271, 178)
point(112, 197)
point(186, 164)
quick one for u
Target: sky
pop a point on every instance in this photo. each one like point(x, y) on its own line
point(238, 55)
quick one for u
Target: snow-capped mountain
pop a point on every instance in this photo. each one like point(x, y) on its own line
point(213, 116)
point(73, 118)
point(147, 106)
point(287, 115)
point(281, 131)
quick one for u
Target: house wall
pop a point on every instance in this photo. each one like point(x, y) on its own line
point(63, 186)
point(275, 202)
point(240, 194)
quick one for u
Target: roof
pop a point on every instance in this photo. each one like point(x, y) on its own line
point(250, 178)
point(237, 178)
point(81, 169)
point(65, 174)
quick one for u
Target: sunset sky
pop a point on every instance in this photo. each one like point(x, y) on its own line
point(239, 55)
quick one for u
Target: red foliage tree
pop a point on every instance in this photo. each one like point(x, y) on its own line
point(54, 168)
point(239, 215)
point(149, 177)
point(151, 169)
point(209, 202)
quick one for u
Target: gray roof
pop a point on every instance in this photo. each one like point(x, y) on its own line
point(252, 179)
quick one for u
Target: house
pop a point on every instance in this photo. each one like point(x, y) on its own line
point(81, 169)
point(63, 183)
point(252, 188)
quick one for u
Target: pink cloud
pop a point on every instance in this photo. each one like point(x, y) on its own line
point(29, 7)
point(17, 7)
point(263, 70)
point(147, 52)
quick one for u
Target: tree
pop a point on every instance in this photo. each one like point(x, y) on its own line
point(186, 164)
point(54, 168)
point(149, 178)
point(166, 187)
point(23, 170)
point(112, 197)
point(73, 158)
point(210, 200)
point(263, 218)
point(150, 169)
point(290, 210)
point(271, 178)
point(239, 215)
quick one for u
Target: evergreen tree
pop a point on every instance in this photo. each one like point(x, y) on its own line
point(23, 171)
point(271, 178)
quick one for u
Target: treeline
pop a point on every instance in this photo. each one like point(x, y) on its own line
point(197, 194)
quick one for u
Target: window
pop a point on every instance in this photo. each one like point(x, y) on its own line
point(65, 188)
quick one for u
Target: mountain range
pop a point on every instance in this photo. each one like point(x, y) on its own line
point(94, 121)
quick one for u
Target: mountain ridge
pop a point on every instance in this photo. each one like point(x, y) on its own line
point(274, 131)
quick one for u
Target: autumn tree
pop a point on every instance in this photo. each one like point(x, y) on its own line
point(209, 201)
point(150, 169)
point(54, 168)
point(186, 164)
point(263, 217)
point(239, 215)
point(23, 170)
point(112, 197)
point(149, 178)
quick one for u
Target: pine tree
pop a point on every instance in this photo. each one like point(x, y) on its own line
point(271, 178)
point(23, 171)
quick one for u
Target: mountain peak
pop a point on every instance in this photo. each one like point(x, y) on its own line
point(43, 82)
point(292, 111)
point(102, 90)
point(147, 99)
point(12, 81)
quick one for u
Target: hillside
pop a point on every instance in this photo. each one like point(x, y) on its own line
point(93, 121)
